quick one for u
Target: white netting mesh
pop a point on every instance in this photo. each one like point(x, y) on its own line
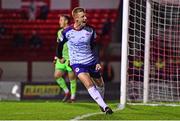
point(164, 83)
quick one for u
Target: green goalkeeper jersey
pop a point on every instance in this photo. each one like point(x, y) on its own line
point(65, 51)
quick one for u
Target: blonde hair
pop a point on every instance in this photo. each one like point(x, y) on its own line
point(77, 10)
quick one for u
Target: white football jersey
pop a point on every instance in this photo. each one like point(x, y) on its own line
point(80, 44)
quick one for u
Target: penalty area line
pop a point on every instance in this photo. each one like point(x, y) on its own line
point(90, 114)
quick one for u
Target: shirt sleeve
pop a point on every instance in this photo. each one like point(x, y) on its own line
point(59, 48)
point(59, 34)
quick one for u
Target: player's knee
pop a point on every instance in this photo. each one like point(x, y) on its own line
point(57, 75)
point(100, 85)
point(72, 77)
point(99, 82)
point(89, 85)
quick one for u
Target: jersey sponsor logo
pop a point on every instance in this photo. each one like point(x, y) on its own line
point(77, 69)
point(70, 36)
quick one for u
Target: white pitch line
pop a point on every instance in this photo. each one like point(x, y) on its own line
point(89, 115)
point(117, 109)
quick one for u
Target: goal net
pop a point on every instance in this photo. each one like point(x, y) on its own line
point(163, 45)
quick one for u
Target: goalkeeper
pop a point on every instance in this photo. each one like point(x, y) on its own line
point(62, 65)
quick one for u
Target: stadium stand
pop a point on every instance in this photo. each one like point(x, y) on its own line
point(14, 20)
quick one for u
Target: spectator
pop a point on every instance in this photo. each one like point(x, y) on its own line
point(24, 15)
point(105, 36)
point(106, 27)
point(18, 40)
point(137, 69)
point(159, 64)
point(159, 69)
point(1, 73)
point(35, 41)
point(2, 30)
point(44, 12)
point(107, 71)
point(32, 10)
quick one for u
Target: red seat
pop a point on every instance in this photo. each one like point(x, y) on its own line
point(46, 29)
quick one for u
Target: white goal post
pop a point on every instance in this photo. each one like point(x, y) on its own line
point(150, 56)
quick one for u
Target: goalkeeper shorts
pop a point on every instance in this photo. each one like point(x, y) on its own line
point(63, 66)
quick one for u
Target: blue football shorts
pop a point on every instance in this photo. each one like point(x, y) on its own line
point(91, 69)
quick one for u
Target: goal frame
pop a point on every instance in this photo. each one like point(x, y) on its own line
point(124, 51)
point(124, 55)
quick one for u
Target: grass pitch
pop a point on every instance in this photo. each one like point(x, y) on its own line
point(41, 110)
